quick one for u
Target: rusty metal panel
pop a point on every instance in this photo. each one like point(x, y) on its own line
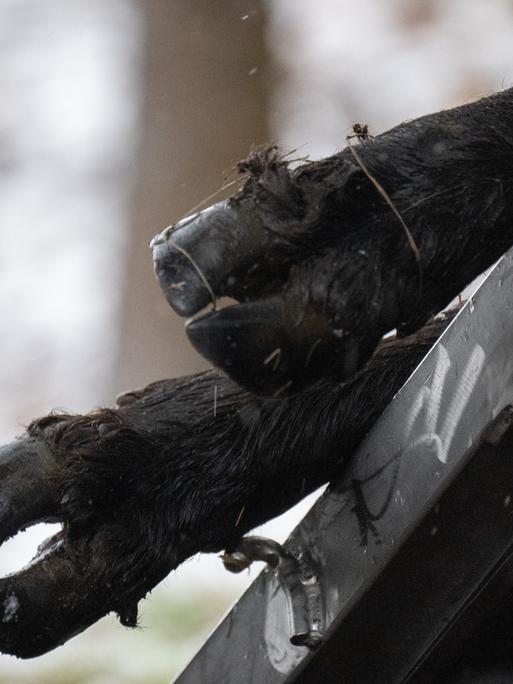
point(373, 524)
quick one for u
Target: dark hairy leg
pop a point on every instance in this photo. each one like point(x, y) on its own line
point(320, 264)
point(180, 467)
point(321, 267)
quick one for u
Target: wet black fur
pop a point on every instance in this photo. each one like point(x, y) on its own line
point(450, 176)
point(340, 259)
point(170, 473)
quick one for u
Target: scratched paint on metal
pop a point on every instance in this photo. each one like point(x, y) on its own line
point(279, 625)
point(417, 447)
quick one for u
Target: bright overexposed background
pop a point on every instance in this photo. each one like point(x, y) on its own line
point(117, 117)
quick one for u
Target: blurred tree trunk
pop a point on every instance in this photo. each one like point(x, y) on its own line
point(205, 103)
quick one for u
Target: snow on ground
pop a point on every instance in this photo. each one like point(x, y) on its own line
point(67, 123)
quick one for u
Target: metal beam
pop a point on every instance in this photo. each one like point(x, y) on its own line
point(414, 537)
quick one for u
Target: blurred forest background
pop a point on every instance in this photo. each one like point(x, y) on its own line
point(119, 116)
